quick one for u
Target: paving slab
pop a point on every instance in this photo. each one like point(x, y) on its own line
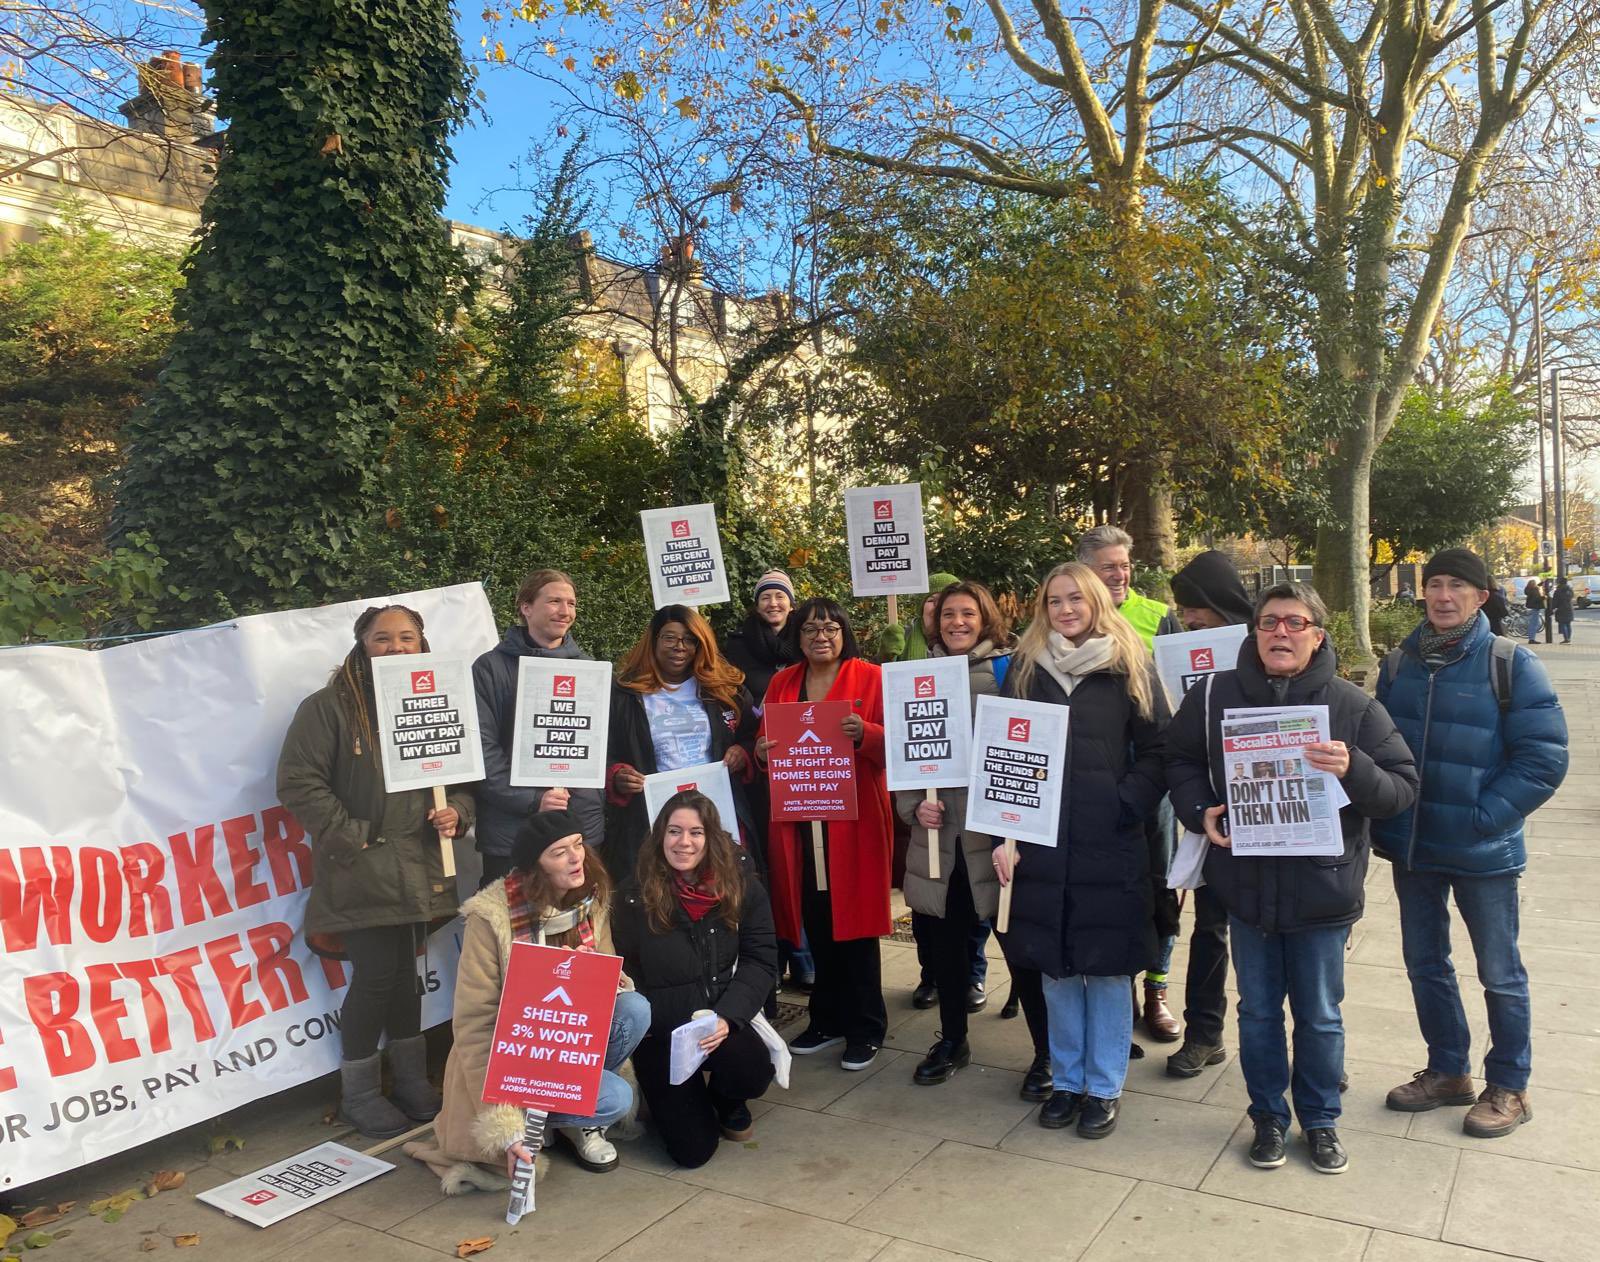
point(1561, 1133)
point(351, 1241)
point(1385, 1246)
point(1363, 1104)
point(712, 1225)
point(978, 1106)
point(1524, 1208)
point(1161, 1224)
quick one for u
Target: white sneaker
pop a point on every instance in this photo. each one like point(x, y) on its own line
point(590, 1145)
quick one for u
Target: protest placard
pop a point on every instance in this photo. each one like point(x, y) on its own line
point(927, 731)
point(888, 550)
point(1278, 804)
point(427, 727)
point(811, 767)
point(563, 716)
point(1019, 751)
point(1184, 659)
point(710, 778)
point(684, 554)
point(273, 1193)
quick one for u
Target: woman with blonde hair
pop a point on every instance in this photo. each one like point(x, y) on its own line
point(676, 702)
point(1081, 914)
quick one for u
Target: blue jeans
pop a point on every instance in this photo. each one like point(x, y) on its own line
point(630, 1022)
point(1091, 1030)
point(1488, 905)
point(1535, 622)
point(1307, 968)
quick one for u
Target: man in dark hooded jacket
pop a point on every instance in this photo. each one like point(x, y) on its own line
point(547, 606)
point(1208, 594)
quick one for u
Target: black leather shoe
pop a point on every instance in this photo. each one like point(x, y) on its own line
point(1098, 1119)
point(976, 997)
point(925, 995)
point(1061, 1110)
point(1039, 1085)
point(940, 1064)
point(1266, 1152)
point(1327, 1153)
point(1011, 1007)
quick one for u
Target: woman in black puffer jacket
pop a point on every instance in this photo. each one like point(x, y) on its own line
point(694, 929)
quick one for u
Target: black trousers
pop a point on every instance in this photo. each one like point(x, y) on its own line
point(495, 866)
point(950, 951)
point(1205, 984)
point(848, 996)
point(383, 997)
point(689, 1116)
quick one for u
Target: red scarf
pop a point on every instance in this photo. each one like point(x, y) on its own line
point(696, 900)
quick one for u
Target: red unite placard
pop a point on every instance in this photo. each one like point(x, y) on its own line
point(811, 765)
point(551, 1032)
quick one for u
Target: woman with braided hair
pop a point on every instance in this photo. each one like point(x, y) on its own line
point(379, 879)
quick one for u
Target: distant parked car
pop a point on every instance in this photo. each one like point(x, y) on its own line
point(1585, 589)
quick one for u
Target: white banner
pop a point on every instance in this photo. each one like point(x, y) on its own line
point(684, 554)
point(888, 551)
point(427, 721)
point(710, 778)
point(927, 723)
point(563, 718)
point(1019, 751)
point(1184, 659)
point(152, 888)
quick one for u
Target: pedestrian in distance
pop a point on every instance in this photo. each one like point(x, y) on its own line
point(547, 608)
point(1533, 597)
point(379, 875)
point(1081, 914)
point(1289, 917)
point(676, 702)
point(953, 909)
point(843, 922)
point(1561, 609)
point(558, 893)
point(694, 929)
point(1491, 742)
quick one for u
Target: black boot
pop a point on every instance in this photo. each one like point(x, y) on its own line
point(940, 1064)
point(1039, 1085)
point(1061, 1110)
point(1098, 1119)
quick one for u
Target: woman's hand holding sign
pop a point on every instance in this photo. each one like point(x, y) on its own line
point(445, 820)
point(1215, 832)
point(853, 726)
point(1330, 756)
point(930, 814)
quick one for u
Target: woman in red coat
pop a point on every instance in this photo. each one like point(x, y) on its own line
point(844, 922)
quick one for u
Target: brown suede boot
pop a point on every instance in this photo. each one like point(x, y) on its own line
point(1158, 1019)
point(1429, 1089)
point(1498, 1112)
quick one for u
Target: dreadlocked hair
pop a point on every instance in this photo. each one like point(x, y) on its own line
point(352, 681)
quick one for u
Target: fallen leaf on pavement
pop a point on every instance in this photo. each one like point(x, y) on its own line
point(40, 1217)
point(38, 1240)
point(188, 1240)
point(476, 1245)
point(164, 1181)
point(222, 1143)
point(149, 1244)
point(7, 1226)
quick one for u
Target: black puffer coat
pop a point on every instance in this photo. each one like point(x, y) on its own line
point(693, 965)
point(1285, 894)
point(1083, 906)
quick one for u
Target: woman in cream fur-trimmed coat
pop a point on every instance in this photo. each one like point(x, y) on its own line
point(470, 1138)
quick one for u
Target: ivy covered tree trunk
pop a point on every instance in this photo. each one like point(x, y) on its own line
point(319, 282)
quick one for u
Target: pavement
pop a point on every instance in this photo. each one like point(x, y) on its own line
point(866, 1166)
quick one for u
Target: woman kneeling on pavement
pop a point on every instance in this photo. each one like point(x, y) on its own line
point(1081, 913)
point(379, 875)
point(950, 907)
point(558, 894)
point(694, 929)
point(1290, 916)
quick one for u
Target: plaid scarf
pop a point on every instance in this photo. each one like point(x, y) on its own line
point(522, 919)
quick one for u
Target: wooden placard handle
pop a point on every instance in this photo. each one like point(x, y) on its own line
point(1002, 922)
point(447, 847)
point(894, 610)
point(933, 841)
point(819, 855)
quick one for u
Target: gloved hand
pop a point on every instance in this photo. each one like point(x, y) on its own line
point(891, 643)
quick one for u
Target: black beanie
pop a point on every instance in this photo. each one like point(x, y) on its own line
point(539, 833)
point(1210, 582)
point(1458, 563)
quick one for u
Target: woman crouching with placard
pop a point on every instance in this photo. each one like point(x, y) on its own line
point(1081, 913)
point(558, 894)
point(379, 876)
point(694, 928)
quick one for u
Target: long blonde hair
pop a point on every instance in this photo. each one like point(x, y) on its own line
point(1129, 657)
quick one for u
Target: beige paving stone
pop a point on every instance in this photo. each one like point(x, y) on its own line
point(1524, 1208)
point(907, 1251)
point(579, 1216)
point(1030, 1210)
point(1391, 1183)
point(1149, 1076)
point(390, 1198)
point(1385, 1246)
point(812, 1163)
point(1391, 1034)
point(996, 1043)
point(1563, 1061)
point(1379, 987)
point(1559, 904)
point(1157, 1138)
point(817, 1081)
point(1562, 1131)
point(352, 1241)
point(1363, 1104)
point(1159, 1224)
point(978, 1106)
point(716, 1226)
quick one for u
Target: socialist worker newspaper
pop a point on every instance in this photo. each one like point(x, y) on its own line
point(1278, 804)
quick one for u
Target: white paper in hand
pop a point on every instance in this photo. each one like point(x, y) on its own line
point(687, 1054)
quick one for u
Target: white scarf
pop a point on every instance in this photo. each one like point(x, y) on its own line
point(979, 652)
point(1068, 664)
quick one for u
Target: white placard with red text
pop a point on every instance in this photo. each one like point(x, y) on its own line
point(927, 723)
point(1019, 753)
point(563, 717)
point(1184, 659)
point(710, 778)
point(427, 720)
point(152, 888)
point(267, 1196)
point(684, 554)
point(888, 549)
